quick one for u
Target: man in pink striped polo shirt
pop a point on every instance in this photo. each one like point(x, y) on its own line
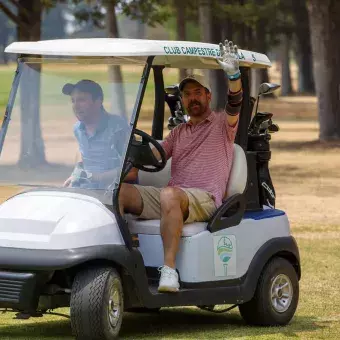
point(202, 155)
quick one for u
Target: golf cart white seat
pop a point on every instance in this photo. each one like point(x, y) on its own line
point(236, 185)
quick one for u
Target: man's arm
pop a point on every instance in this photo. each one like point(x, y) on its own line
point(233, 106)
point(167, 145)
point(230, 65)
point(132, 175)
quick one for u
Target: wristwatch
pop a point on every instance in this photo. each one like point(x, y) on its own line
point(86, 175)
point(235, 76)
point(89, 175)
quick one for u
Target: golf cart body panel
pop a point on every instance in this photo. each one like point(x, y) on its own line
point(49, 234)
point(176, 54)
point(202, 255)
point(56, 220)
point(230, 291)
point(198, 242)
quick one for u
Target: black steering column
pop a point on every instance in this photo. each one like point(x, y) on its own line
point(142, 156)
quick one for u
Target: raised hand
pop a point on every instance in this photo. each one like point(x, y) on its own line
point(229, 61)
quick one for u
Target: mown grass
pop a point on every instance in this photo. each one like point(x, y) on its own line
point(307, 182)
point(6, 79)
point(299, 176)
point(317, 316)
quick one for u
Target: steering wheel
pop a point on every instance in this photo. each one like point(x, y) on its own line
point(142, 155)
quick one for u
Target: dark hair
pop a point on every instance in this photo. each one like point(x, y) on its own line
point(87, 86)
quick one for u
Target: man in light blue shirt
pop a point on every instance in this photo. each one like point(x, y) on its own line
point(101, 136)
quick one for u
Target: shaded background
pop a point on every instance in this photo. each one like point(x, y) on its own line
point(294, 34)
point(301, 38)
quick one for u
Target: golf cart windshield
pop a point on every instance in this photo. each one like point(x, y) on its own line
point(70, 123)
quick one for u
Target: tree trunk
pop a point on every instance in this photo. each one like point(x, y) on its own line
point(304, 49)
point(262, 47)
point(255, 81)
point(53, 23)
point(115, 74)
point(32, 153)
point(212, 33)
point(205, 23)
point(306, 79)
point(286, 80)
point(141, 29)
point(4, 35)
point(219, 83)
point(325, 27)
point(180, 9)
point(205, 20)
point(240, 35)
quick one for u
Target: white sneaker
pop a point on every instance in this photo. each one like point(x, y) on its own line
point(169, 280)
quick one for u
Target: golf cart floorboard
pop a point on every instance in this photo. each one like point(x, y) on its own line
point(194, 297)
point(154, 290)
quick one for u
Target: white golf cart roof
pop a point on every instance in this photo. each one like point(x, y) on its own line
point(177, 54)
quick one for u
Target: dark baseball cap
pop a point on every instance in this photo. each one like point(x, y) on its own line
point(85, 85)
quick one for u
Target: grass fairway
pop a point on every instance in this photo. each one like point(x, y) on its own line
point(317, 317)
point(307, 182)
point(306, 176)
point(6, 78)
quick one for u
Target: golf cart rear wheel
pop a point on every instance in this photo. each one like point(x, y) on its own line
point(97, 304)
point(276, 296)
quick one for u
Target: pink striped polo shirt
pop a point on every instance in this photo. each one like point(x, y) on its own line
point(202, 154)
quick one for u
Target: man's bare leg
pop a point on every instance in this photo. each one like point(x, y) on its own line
point(130, 200)
point(174, 205)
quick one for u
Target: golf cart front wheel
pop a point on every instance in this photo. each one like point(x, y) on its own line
point(276, 296)
point(97, 304)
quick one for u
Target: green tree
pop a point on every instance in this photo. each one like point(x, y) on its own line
point(28, 15)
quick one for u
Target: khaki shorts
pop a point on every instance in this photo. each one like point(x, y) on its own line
point(201, 204)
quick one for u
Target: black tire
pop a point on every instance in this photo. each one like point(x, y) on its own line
point(90, 304)
point(260, 310)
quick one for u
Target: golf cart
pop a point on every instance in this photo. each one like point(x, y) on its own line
point(71, 247)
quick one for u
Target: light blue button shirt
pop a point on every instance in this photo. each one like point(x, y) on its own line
point(103, 151)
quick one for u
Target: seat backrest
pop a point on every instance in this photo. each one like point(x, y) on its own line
point(237, 179)
point(158, 179)
point(238, 174)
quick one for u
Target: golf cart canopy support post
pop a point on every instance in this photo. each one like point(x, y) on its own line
point(134, 118)
point(9, 108)
point(158, 116)
point(245, 114)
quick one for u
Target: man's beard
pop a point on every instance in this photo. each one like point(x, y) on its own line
point(196, 109)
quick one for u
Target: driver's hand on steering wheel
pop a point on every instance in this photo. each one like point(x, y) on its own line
point(147, 154)
point(156, 153)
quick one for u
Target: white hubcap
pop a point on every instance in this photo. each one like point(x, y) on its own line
point(114, 307)
point(281, 293)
